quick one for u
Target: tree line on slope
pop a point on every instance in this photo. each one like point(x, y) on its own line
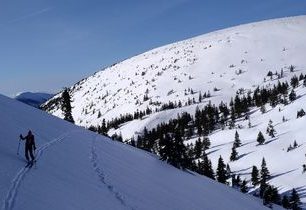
point(238, 105)
point(139, 114)
point(167, 139)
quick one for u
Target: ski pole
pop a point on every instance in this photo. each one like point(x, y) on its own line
point(18, 147)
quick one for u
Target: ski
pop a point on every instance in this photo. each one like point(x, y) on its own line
point(30, 164)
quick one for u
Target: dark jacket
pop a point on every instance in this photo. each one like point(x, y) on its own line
point(30, 142)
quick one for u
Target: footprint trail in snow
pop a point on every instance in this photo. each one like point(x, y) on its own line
point(101, 175)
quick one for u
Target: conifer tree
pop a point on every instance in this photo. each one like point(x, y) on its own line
point(228, 171)
point(165, 147)
point(198, 148)
point(260, 138)
point(237, 106)
point(262, 187)
point(176, 155)
point(66, 106)
point(301, 77)
point(103, 127)
point(191, 156)
point(207, 167)
point(291, 68)
point(234, 181)
point(264, 175)
point(295, 201)
point(255, 176)
point(282, 73)
point(234, 154)
point(294, 81)
point(119, 137)
point(243, 187)
point(300, 113)
point(221, 171)
point(237, 141)
point(206, 143)
point(200, 97)
point(285, 202)
point(238, 180)
point(190, 132)
point(292, 95)
point(295, 144)
point(270, 129)
point(179, 156)
point(289, 148)
point(205, 95)
point(267, 196)
point(275, 196)
point(304, 168)
point(132, 142)
point(264, 172)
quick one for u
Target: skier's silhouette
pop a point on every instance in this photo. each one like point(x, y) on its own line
point(29, 146)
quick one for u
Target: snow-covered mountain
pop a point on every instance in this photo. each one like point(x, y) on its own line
point(33, 99)
point(78, 169)
point(220, 63)
point(226, 60)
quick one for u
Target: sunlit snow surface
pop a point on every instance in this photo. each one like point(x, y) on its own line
point(203, 63)
point(78, 169)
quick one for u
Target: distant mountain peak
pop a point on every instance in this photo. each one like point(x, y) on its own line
point(34, 99)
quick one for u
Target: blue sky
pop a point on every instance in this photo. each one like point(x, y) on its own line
point(46, 45)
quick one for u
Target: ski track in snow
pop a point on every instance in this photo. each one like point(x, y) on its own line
point(9, 201)
point(101, 175)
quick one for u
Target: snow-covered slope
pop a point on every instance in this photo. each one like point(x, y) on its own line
point(230, 60)
point(227, 60)
point(285, 166)
point(78, 169)
point(33, 99)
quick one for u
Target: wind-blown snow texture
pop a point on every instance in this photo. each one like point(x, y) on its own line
point(78, 169)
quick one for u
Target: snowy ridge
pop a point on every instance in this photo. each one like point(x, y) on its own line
point(225, 60)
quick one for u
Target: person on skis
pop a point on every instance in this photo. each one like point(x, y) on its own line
point(29, 146)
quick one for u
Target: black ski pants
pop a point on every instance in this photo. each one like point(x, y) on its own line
point(29, 150)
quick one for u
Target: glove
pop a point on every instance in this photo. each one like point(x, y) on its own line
point(20, 136)
point(34, 148)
